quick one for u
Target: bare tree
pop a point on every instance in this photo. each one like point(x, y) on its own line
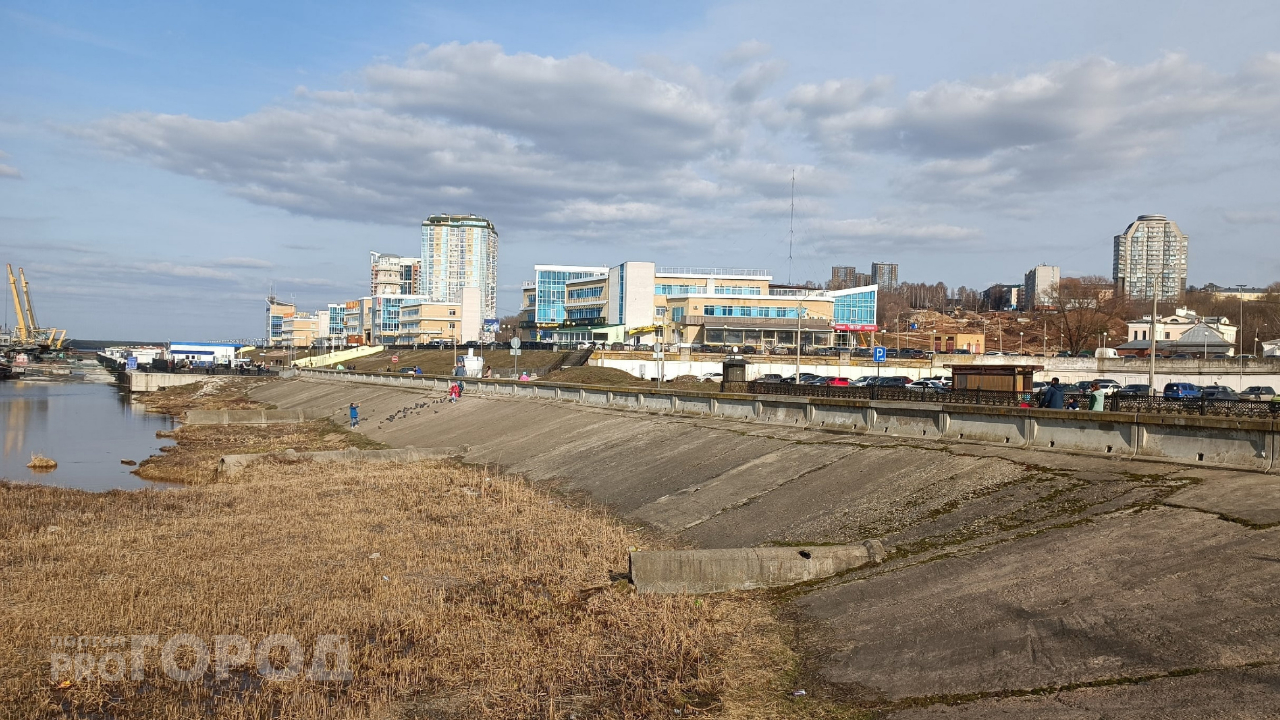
point(1084, 308)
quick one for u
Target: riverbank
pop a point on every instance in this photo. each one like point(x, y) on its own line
point(453, 597)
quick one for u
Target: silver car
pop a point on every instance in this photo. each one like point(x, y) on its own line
point(1265, 393)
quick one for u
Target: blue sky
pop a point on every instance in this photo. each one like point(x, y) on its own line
point(164, 163)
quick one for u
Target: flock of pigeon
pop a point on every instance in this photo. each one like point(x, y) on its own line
point(414, 409)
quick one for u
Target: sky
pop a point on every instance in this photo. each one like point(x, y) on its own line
point(165, 165)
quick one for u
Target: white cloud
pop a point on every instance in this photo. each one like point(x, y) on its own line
point(1251, 217)
point(745, 52)
point(243, 262)
point(8, 171)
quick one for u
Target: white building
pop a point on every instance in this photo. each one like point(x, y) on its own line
point(1150, 256)
point(1039, 286)
point(460, 251)
point(393, 274)
point(1172, 327)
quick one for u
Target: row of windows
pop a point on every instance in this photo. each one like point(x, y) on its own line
point(584, 313)
point(586, 293)
point(748, 311)
point(855, 309)
point(735, 290)
point(678, 289)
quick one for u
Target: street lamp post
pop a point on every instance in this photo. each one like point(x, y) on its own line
point(1240, 336)
point(1020, 334)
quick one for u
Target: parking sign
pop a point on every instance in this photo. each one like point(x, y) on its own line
point(879, 354)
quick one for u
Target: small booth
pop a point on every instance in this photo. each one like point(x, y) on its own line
point(1009, 378)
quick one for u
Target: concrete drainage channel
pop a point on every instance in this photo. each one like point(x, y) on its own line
point(1241, 443)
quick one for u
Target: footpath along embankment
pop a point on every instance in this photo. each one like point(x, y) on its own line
point(1019, 579)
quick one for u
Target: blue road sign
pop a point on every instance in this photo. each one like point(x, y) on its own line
point(879, 354)
point(131, 363)
point(915, 326)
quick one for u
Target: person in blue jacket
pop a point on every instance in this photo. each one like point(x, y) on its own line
point(355, 414)
point(1051, 396)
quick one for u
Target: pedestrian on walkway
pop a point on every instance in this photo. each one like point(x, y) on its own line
point(355, 414)
point(1097, 398)
point(460, 372)
point(1051, 396)
point(455, 392)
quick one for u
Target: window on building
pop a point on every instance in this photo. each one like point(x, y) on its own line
point(452, 312)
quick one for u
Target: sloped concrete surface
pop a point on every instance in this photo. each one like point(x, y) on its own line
point(1012, 572)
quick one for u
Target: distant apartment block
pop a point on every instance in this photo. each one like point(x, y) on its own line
point(1150, 258)
point(393, 274)
point(847, 276)
point(1002, 297)
point(1039, 287)
point(884, 275)
point(460, 251)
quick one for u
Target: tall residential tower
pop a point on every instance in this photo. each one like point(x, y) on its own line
point(1151, 254)
point(460, 251)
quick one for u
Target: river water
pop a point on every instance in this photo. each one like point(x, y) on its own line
point(87, 427)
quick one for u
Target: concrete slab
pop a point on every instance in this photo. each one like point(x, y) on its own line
point(1237, 694)
point(1130, 595)
point(1250, 497)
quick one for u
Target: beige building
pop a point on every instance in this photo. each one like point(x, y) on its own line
point(1172, 327)
point(424, 321)
point(460, 251)
point(303, 329)
point(393, 274)
point(277, 312)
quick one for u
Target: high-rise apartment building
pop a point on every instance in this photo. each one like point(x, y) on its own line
point(1039, 287)
point(885, 275)
point(847, 276)
point(1150, 256)
point(393, 275)
point(460, 251)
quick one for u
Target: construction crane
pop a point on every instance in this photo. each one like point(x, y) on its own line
point(22, 332)
point(29, 331)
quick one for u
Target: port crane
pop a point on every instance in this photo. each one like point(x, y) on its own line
point(28, 331)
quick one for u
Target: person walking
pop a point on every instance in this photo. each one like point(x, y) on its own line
point(1051, 396)
point(1097, 398)
point(355, 414)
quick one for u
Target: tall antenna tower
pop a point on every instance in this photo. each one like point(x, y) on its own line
point(791, 234)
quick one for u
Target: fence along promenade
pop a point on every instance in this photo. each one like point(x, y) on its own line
point(1247, 443)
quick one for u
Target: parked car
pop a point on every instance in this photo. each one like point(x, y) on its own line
point(863, 381)
point(711, 377)
point(748, 349)
point(770, 378)
point(1181, 356)
point(1134, 390)
point(928, 386)
point(1108, 385)
point(893, 381)
point(1181, 391)
point(1219, 392)
point(1258, 392)
point(838, 382)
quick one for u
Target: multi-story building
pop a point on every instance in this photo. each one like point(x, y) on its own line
point(638, 302)
point(460, 251)
point(1002, 297)
point(277, 312)
point(426, 321)
point(884, 275)
point(303, 329)
point(1150, 258)
point(847, 276)
point(393, 274)
point(1040, 286)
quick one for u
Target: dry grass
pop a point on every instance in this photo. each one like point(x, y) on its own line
point(194, 460)
point(217, 392)
point(40, 462)
point(472, 608)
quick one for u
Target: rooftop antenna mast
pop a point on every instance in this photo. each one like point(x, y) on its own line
point(791, 234)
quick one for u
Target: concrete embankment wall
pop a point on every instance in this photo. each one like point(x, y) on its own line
point(255, 417)
point(1069, 370)
point(1250, 444)
point(152, 382)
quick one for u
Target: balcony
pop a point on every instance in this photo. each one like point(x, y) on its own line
point(713, 272)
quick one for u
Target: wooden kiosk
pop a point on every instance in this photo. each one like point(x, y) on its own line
point(1009, 378)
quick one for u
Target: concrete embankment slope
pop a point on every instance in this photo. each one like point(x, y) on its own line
point(1012, 570)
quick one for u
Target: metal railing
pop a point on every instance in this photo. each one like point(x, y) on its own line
point(713, 272)
point(1115, 403)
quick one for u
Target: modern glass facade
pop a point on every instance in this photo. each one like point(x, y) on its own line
point(856, 308)
point(550, 293)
